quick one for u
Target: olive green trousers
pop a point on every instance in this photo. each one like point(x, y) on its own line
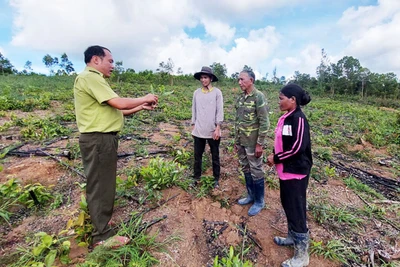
point(99, 157)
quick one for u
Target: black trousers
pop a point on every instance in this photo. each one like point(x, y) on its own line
point(199, 146)
point(293, 199)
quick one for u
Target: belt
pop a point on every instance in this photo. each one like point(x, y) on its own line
point(112, 133)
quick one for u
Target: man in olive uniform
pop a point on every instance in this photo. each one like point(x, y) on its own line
point(100, 116)
point(251, 126)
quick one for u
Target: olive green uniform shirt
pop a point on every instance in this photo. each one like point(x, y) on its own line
point(252, 122)
point(93, 114)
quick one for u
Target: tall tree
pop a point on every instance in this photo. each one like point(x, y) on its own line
point(323, 71)
point(302, 79)
point(5, 65)
point(247, 68)
point(350, 68)
point(235, 76)
point(364, 76)
point(28, 66)
point(219, 70)
point(66, 66)
point(50, 62)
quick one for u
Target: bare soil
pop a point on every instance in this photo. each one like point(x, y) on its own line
point(195, 220)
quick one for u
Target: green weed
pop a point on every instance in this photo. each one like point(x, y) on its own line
point(231, 260)
point(206, 185)
point(161, 173)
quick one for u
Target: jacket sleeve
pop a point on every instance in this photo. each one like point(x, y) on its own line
point(301, 138)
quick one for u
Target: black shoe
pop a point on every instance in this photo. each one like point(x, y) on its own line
point(216, 184)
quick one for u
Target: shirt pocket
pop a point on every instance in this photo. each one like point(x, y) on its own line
point(249, 113)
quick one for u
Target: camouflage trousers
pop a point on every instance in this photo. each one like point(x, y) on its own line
point(248, 161)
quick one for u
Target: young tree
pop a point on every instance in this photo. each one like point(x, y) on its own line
point(167, 68)
point(275, 79)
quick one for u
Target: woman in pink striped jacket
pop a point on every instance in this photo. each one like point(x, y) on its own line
point(293, 160)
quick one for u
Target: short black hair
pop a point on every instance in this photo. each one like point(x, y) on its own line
point(251, 74)
point(94, 50)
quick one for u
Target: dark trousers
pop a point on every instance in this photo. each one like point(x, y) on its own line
point(293, 199)
point(99, 157)
point(199, 146)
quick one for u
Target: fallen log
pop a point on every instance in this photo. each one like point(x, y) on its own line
point(388, 187)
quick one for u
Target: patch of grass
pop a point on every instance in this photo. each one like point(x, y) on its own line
point(138, 252)
point(324, 213)
point(334, 250)
point(272, 182)
point(358, 186)
point(325, 153)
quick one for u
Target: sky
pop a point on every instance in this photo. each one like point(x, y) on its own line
point(287, 34)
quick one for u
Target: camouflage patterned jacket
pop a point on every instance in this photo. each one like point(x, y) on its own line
point(252, 122)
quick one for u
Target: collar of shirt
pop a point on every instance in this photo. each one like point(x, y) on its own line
point(91, 69)
point(210, 88)
point(251, 93)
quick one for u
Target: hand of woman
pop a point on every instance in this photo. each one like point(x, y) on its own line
point(270, 159)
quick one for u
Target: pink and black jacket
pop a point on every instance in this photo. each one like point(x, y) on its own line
point(292, 143)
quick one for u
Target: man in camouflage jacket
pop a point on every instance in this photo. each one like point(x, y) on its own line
point(251, 126)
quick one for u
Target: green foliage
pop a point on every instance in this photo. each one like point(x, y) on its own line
point(74, 150)
point(12, 193)
point(40, 129)
point(206, 185)
point(81, 225)
point(42, 193)
point(43, 251)
point(182, 156)
point(161, 173)
point(126, 187)
point(231, 260)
